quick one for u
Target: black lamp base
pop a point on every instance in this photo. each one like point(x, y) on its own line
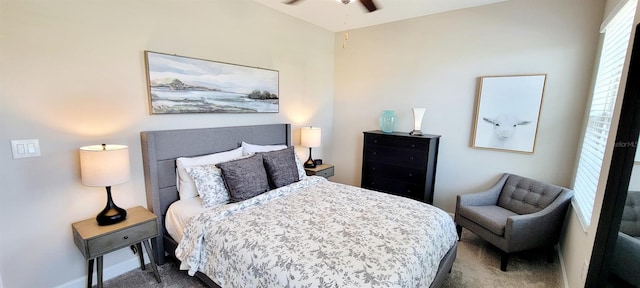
point(309, 163)
point(111, 214)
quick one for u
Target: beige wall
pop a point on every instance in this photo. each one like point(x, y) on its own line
point(72, 74)
point(435, 61)
point(577, 241)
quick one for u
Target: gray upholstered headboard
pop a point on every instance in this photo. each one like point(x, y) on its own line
point(161, 148)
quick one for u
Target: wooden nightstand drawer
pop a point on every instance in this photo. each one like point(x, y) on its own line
point(326, 173)
point(322, 170)
point(123, 238)
point(94, 240)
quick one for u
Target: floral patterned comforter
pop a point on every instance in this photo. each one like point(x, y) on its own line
point(316, 233)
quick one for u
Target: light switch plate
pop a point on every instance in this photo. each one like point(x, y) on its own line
point(25, 148)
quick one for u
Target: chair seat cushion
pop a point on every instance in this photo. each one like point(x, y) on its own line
point(493, 218)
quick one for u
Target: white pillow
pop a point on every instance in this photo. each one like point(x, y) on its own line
point(208, 180)
point(186, 187)
point(248, 149)
point(301, 173)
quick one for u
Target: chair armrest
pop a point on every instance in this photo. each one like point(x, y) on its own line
point(487, 197)
point(540, 228)
point(625, 258)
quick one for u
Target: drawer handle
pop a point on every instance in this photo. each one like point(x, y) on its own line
point(126, 237)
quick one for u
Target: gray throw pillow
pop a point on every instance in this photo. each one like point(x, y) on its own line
point(245, 178)
point(281, 167)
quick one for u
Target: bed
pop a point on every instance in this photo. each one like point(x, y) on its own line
point(160, 150)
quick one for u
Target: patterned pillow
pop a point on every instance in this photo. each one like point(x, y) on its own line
point(209, 183)
point(281, 167)
point(186, 188)
point(244, 178)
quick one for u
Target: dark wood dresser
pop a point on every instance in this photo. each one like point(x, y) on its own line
point(400, 164)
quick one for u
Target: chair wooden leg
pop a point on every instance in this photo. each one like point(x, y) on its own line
point(504, 260)
point(459, 230)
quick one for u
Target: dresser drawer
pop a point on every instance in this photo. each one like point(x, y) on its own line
point(400, 164)
point(393, 186)
point(396, 142)
point(411, 174)
point(400, 157)
point(122, 238)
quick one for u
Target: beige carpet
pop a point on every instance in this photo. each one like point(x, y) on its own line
point(477, 265)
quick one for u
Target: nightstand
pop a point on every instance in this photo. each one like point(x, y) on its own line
point(324, 170)
point(94, 241)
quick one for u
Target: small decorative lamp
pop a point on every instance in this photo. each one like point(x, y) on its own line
point(105, 165)
point(310, 137)
point(418, 113)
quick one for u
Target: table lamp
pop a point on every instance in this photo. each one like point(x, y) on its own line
point(103, 166)
point(310, 137)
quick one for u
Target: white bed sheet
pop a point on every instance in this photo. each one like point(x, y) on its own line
point(316, 233)
point(179, 214)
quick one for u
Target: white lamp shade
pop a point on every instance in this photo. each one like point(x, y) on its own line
point(104, 165)
point(310, 136)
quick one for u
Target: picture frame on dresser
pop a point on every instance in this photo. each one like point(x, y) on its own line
point(507, 112)
point(400, 164)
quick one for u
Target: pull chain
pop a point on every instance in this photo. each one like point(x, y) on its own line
point(344, 42)
point(346, 33)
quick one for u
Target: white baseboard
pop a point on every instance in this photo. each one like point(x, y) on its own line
point(565, 281)
point(108, 273)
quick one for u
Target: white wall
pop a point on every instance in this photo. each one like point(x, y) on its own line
point(634, 183)
point(577, 241)
point(435, 61)
point(72, 74)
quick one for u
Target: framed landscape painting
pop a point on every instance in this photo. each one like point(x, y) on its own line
point(507, 112)
point(178, 84)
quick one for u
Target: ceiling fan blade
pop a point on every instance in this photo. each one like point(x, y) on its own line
point(369, 5)
point(289, 2)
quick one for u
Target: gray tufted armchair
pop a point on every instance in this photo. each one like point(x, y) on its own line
point(626, 255)
point(516, 214)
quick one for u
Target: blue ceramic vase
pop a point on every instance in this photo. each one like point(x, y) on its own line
point(388, 121)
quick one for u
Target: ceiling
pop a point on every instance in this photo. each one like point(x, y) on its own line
point(335, 16)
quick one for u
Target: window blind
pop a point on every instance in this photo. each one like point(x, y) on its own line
point(617, 32)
